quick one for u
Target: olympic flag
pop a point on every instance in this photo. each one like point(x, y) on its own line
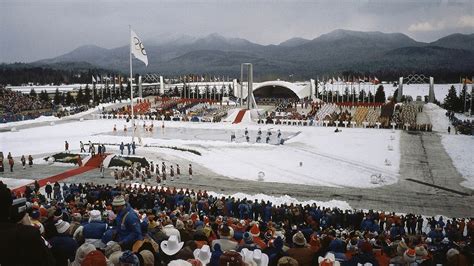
point(137, 48)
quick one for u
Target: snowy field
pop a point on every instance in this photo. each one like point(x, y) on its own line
point(317, 156)
point(459, 147)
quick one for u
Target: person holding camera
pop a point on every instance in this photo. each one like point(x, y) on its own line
point(21, 243)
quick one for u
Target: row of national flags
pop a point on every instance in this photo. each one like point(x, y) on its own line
point(107, 78)
point(350, 80)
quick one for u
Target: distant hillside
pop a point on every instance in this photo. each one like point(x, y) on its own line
point(337, 52)
point(456, 41)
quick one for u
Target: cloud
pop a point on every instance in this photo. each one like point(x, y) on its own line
point(426, 26)
point(466, 21)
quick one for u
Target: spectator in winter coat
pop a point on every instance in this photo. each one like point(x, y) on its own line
point(300, 251)
point(19, 238)
point(127, 222)
point(48, 189)
point(63, 246)
point(225, 240)
point(94, 229)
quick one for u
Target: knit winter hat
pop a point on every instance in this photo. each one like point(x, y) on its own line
point(62, 226)
point(94, 215)
point(82, 252)
point(255, 231)
point(118, 201)
point(421, 251)
point(129, 258)
point(111, 247)
point(409, 255)
point(94, 258)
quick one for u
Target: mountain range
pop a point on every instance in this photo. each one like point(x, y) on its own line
point(338, 52)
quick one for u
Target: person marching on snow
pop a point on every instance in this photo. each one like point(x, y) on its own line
point(178, 171)
point(232, 137)
point(82, 146)
point(66, 146)
point(190, 172)
point(23, 161)
point(279, 134)
point(246, 132)
point(259, 132)
point(267, 140)
point(171, 172)
point(102, 170)
point(30, 160)
point(121, 148)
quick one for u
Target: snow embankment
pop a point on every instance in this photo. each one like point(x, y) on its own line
point(459, 148)
point(438, 117)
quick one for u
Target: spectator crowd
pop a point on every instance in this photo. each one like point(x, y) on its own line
point(90, 224)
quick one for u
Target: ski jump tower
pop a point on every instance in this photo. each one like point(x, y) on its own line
point(250, 112)
point(251, 104)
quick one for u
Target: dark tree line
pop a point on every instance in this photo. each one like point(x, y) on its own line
point(457, 103)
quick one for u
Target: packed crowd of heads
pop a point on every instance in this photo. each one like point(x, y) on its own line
point(18, 106)
point(465, 126)
point(138, 225)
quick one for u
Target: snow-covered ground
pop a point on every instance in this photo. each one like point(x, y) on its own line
point(438, 117)
point(317, 156)
point(459, 147)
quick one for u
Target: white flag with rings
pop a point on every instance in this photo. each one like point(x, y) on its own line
point(137, 48)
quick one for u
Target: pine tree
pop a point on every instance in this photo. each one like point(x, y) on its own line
point(395, 95)
point(33, 94)
point(462, 98)
point(69, 99)
point(451, 102)
point(87, 95)
point(57, 97)
point(80, 96)
point(380, 94)
point(44, 97)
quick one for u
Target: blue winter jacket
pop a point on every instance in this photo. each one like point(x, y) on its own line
point(94, 230)
point(128, 226)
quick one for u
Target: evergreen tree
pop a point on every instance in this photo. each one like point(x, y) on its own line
point(80, 96)
point(346, 95)
point(395, 94)
point(69, 99)
point(462, 105)
point(44, 97)
point(57, 97)
point(33, 94)
point(451, 102)
point(87, 95)
point(380, 95)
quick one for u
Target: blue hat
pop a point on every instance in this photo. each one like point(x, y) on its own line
point(35, 214)
point(129, 258)
point(248, 238)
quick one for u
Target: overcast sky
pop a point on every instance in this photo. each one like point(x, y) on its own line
point(35, 29)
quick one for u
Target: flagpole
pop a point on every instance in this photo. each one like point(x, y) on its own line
point(131, 81)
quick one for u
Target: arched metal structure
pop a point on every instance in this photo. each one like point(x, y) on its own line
point(416, 79)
